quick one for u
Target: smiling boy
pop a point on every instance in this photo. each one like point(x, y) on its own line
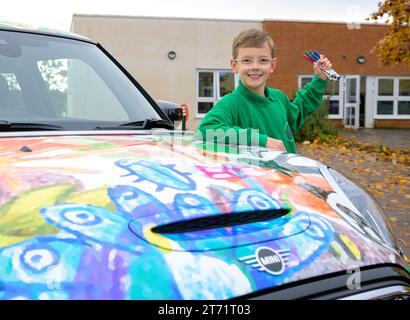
point(264, 115)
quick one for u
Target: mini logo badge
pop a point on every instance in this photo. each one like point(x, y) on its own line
point(268, 260)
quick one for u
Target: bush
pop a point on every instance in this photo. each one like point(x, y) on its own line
point(318, 126)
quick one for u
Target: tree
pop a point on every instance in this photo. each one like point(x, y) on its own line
point(55, 76)
point(54, 73)
point(394, 48)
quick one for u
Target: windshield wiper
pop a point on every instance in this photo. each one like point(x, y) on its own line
point(149, 124)
point(146, 124)
point(27, 126)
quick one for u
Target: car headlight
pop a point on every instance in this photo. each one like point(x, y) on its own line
point(358, 208)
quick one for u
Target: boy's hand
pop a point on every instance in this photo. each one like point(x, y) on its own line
point(324, 63)
point(275, 144)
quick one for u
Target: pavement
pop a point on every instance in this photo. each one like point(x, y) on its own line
point(387, 181)
point(390, 138)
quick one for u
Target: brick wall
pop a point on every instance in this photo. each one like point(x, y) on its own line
point(392, 123)
point(335, 40)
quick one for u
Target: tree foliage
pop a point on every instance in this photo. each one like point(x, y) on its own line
point(54, 73)
point(394, 48)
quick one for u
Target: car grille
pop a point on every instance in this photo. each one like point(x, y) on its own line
point(388, 293)
point(378, 282)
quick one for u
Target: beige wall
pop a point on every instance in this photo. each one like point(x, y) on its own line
point(142, 44)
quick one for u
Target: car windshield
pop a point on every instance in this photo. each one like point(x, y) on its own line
point(69, 84)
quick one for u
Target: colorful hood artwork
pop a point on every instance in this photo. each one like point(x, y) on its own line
point(166, 217)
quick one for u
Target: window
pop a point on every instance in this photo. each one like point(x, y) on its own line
point(384, 107)
point(212, 86)
point(404, 97)
point(386, 87)
point(76, 91)
point(392, 97)
point(332, 94)
point(404, 87)
point(65, 82)
point(13, 99)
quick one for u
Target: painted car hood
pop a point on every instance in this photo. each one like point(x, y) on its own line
point(77, 212)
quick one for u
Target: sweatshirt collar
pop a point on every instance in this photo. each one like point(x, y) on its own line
point(255, 98)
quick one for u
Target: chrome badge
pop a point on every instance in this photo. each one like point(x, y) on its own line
point(269, 260)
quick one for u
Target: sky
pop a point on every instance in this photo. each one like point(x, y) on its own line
point(58, 14)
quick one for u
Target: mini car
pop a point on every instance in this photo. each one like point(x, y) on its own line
point(100, 198)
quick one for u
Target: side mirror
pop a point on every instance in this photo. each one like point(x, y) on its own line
point(173, 111)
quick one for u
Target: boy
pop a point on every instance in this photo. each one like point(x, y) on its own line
point(262, 115)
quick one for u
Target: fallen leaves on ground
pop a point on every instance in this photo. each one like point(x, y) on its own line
point(384, 172)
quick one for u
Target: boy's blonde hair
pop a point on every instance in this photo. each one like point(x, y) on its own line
point(252, 38)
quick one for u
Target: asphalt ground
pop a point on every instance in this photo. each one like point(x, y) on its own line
point(391, 138)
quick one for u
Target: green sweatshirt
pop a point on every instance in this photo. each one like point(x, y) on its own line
point(236, 116)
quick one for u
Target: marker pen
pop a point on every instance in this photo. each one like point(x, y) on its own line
point(307, 58)
point(314, 56)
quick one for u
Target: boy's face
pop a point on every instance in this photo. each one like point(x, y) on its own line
point(254, 65)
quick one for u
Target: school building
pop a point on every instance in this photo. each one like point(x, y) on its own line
point(187, 61)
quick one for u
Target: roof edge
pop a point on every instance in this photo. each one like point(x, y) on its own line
point(86, 15)
point(328, 22)
point(161, 18)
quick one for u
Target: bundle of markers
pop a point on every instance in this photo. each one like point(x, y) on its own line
point(313, 57)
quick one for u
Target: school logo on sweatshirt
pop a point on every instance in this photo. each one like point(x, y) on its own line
point(288, 132)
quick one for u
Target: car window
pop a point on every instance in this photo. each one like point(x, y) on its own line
point(77, 91)
point(12, 95)
point(66, 82)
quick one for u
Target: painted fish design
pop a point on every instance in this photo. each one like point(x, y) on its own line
point(163, 176)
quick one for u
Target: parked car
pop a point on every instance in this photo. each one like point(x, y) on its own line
point(101, 199)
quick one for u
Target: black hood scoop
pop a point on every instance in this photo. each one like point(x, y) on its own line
point(219, 221)
point(219, 230)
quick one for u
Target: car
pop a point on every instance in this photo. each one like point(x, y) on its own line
point(101, 198)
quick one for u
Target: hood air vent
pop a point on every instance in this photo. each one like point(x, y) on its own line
point(219, 221)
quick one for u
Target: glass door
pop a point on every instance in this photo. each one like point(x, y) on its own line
point(351, 95)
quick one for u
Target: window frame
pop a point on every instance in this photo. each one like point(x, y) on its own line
point(327, 97)
point(395, 98)
point(216, 88)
